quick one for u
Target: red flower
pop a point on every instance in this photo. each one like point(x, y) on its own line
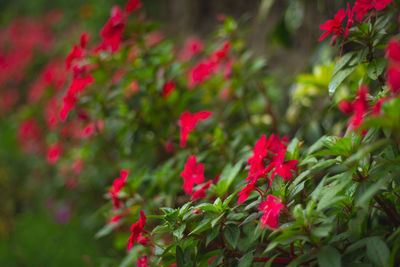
point(192, 174)
point(393, 79)
point(361, 7)
point(245, 192)
point(168, 88)
point(29, 136)
point(376, 108)
point(84, 39)
point(346, 107)
point(281, 167)
point(76, 53)
point(200, 193)
point(70, 99)
point(132, 5)
point(220, 54)
point(117, 186)
point(272, 206)
point(142, 262)
point(360, 107)
point(193, 47)
point(393, 50)
point(188, 122)
point(51, 113)
point(115, 219)
point(111, 33)
point(78, 165)
point(201, 72)
point(54, 153)
point(333, 25)
point(136, 230)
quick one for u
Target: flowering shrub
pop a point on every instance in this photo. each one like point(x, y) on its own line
point(207, 175)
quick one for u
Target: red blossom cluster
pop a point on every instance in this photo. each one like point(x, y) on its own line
point(360, 9)
point(117, 186)
point(272, 151)
point(188, 122)
point(205, 68)
point(18, 43)
point(359, 108)
point(138, 234)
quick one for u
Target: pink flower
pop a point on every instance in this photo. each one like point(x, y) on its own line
point(188, 122)
point(193, 47)
point(54, 153)
point(200, 193)
point(272, 206)
point(376, 108)
point(192, 174)
point(132, 5)
point(136, 230)
point(333, 25)
point(168, 88)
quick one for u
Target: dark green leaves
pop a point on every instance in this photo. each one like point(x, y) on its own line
point(328, 257)
point(231, 234)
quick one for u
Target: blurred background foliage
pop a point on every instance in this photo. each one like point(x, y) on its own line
point(42, 224)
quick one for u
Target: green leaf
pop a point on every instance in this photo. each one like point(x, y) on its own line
point(364, 199)
point(338, 78)
point(377, 251)
point(180, 260)
point(211, 236)
point(328, 257)
point(342, 62)
point(179, 231)
point(227, 176)
point(246, 260)
point(231, 233)
point(375, 68)
point(105, 230)
point(204, 225)
point(208, 207)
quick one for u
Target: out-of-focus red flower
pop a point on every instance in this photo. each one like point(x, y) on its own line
point(193, 173)
point(83, 40)
point(54, 153)
point(111, 34)
point(76, 53)
point(69, 100)
point(361, 7)
point(132, 5)
point(245, 192)
point(272, 206)
point(393, 50)
point(376, 108)
point(154, 38)
point(142, 262)
point(333, 25)
point(188, 122)
point(117, 186)
point(51, 113)
point(78, 165)
point(136, 230)
point(8, 98)
point(221, 54)
point(115, 219)
point(393, 79)
point(193, 46)
point(29, 136)
point(201, 72)
point(346, 107)
point(360, 106)
point(201, 193)
point(168, 88)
